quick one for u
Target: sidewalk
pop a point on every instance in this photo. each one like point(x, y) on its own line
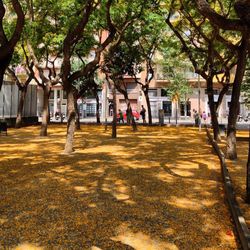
point(159, 188)
point(167, 121)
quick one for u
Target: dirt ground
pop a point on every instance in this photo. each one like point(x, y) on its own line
point(237, 170)
point(159, 188)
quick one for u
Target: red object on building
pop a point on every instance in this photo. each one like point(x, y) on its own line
point(134, 112)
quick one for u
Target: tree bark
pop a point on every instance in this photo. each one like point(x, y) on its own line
point(71, 122)
point(212, 107)
point(234, 106)
point(3, 66)
point(221, 95)
point(23, 92)
point(114, 123)
point(45, 113)
point(248, 173)
point(98, 121)
point(78, 125)
point(148, 106)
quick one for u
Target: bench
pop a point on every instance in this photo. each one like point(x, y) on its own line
point(3, 128)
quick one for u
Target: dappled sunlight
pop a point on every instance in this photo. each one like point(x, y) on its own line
point(153, 189)
point(28, 246)
point(237, 171)
point(141, 241)
point(184, 203)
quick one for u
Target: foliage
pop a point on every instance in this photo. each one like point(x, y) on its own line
point(245, 88)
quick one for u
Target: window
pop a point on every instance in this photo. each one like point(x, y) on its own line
point(91, 109)
point(51, 95)
point(64, 95)
point(185, 109)
point(164, 92)
point(152, 92)
point(167, 107)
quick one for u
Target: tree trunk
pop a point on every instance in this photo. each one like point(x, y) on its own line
point(23, 92)
point(3, 66)
point(221, 95)
point(149, 106)
point(71, 122)
point(98, 121)
point(45, 113)
point(114, 123)
point(248, 173)
point(78, 125)
point(234, 106)
point(212, 107)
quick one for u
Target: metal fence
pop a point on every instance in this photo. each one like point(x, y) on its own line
point(9, 99)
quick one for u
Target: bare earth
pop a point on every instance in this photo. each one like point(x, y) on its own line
point(158, 188)
point(237, 170)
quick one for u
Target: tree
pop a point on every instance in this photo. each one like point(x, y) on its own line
point(236, 20)
point(245, 88)
point(205, 48)
point(143, 44)
point(178, 89)
point(9, 40)
point(75, 35)
point(118, 61)
point(21, 59)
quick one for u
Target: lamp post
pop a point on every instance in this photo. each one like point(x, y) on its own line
point(199, 95)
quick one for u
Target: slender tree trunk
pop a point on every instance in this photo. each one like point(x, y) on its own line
point(45, 113)
point(212, 107)
point(234, 106)
point(23, 92)
point(221, 95)
point(71, 122)
point(114, 123)
point(149, 106)
point(248, 172)
point(78, 125)
point(98, 121)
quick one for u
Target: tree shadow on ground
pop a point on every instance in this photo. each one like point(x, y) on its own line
point(156, 189)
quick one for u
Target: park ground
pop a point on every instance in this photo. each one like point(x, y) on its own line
point(238, 170)
point(158, 188)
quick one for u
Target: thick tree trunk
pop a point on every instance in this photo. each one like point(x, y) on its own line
point(3, 66)
point(71, 122)
point(149, 107)
point(98, 121)
point(23, 92)
point(78, 125)
point(45, 113)
point(248, 173)
point(212, 107)
point(234, 106)
point(114, 123)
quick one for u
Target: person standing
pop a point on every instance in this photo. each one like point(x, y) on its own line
point(121, 116)
point(143, 114)
point(204, 116)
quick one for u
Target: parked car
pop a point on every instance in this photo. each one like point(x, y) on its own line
point(134, 112)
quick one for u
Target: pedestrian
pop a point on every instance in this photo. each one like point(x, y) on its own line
point(204, 116)
point(143, 114)
point(121, 116)
point(196, 118)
